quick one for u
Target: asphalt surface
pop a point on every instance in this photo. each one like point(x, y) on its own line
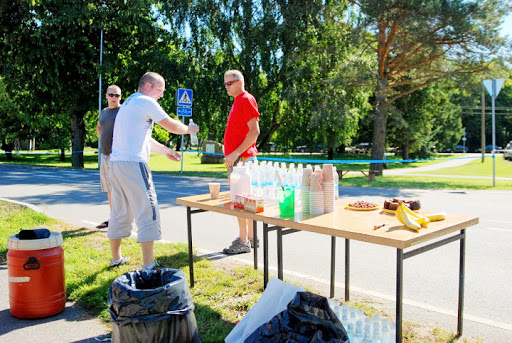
point(73, 195)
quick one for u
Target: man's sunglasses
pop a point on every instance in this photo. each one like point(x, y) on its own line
point(113, 95)
point(229, 83)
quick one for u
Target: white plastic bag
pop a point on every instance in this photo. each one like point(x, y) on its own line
point(274, 300)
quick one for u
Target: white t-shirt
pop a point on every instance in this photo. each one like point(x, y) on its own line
point(133, 127)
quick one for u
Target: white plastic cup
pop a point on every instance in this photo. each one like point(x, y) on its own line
point(214, 189)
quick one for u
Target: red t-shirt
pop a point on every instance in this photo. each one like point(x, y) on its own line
point(243, 110)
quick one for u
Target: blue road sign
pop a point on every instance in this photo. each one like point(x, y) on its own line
point(184, 97)
point(185, 111)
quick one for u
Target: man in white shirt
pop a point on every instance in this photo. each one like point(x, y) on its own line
point(133, 192)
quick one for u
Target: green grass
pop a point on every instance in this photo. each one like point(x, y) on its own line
point(477, 168)
point(192, 166)
point(222, 296)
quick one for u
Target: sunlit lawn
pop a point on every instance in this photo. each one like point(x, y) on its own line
point(192, 166)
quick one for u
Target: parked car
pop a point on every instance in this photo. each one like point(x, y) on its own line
point(305, 148)
point(461, 148)
point(488, 148)
point(363, 148)
point(272, 147)
point(302, 148)
point(447, 150)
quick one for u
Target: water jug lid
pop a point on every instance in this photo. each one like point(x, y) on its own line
point(55, 240)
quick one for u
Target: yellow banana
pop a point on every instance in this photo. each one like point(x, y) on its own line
point(407, 220)
point(411, 212)
point(398, 216)
point(436, 216)
point(422, 220)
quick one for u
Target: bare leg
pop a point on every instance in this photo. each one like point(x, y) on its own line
point(115, 246)
point(246, 229)
point(250, 229)
point(147, 253)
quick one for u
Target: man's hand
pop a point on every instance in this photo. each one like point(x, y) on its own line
point(192, 128)
point(172, 155)
point(231, 159)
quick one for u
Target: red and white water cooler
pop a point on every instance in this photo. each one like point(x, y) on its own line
point(36, 276)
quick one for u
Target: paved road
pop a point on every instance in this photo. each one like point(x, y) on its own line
point(430, 285)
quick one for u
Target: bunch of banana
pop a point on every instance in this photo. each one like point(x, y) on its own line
point(414, 220)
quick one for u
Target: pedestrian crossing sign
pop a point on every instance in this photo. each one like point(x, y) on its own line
point(184, 97)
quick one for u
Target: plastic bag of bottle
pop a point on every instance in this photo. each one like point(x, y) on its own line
point(308, 318)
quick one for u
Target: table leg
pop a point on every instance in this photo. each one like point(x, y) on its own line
point(265, 255)
point(399, 292)
point(347, 269)
point(255, 238)
point(333, 264)
point(462, 264)
point(280, 253)
point(190, 252)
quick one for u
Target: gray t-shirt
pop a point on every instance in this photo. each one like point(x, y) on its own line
point(107, 119)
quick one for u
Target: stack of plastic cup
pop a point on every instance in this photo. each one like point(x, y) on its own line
point(328, 187)
point(316, 194)
point(306, 174)
point(305, 199)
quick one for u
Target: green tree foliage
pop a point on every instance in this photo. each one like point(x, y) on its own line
point(53, 48)
point(420, 42)
point(288, 53)
point(424, 120)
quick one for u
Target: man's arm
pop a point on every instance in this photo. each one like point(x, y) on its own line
point(252, 136)
point(177, 127)
point(98, 129)
point(162, 149)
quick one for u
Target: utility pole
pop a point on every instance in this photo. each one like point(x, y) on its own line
point(482, 127)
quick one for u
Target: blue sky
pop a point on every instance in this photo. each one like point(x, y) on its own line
point(506, 27)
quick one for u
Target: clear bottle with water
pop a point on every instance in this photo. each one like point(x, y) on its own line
point(385, 336)
point(358, 337)
point(193, 136)
point(351, 332)
point(367, 337)
point(377, 335)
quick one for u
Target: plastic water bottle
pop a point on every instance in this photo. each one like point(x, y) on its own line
point(351, 332)
point(385, 337)
point(377, 336)
point(193, 136)
point(392, 331)
point(367, 337)
point(358, 337)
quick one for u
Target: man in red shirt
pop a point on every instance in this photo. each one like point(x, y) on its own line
point(240, 138)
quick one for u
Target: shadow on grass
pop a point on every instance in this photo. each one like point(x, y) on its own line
point(211, 326)
point(80, 232)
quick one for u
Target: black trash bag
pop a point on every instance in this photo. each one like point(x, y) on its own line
point(308, 318)
point(154, 306)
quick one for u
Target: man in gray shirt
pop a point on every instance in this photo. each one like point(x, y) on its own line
point(105, 130)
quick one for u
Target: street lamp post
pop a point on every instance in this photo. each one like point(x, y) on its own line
point(99, 88)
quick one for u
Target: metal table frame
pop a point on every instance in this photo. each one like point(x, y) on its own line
point(190, 211)
point(401, 256)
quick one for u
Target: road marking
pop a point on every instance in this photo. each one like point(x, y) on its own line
point(497, 229)
point(500, 221)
